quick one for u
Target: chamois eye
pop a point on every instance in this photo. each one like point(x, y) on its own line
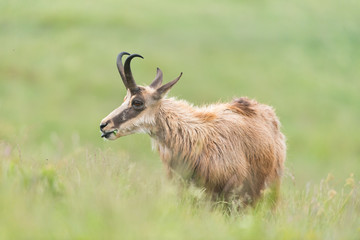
point(137, 104)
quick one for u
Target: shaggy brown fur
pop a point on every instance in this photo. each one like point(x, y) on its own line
point(231, 149)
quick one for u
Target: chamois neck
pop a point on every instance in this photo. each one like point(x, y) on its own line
point(175, 121)
point(174, 109)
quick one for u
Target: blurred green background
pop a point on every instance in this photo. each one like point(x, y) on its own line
point(58, 77)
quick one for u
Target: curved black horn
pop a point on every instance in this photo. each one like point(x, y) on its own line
point(120, 66)
point(131, 84)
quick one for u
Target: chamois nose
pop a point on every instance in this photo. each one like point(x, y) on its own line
point(102, 125)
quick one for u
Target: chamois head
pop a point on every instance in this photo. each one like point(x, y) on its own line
point(137, 112)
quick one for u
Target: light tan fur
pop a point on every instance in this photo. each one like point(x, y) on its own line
point(229, 149)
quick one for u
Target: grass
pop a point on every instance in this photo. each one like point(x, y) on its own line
point(102, 195)
point(58, 79)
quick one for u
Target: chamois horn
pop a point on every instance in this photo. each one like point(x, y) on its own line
point(130, 82)
point(120, 67)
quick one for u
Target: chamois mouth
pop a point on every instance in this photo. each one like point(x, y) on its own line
point(109, 134)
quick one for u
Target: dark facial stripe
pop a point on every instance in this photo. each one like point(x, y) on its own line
point(129, 112)
point(126, 115)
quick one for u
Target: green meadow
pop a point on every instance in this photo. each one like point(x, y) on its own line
point(58, 79)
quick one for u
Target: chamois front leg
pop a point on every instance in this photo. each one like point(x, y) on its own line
point(169, 172)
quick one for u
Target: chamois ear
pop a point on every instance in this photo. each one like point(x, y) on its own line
point(158, 79)
point(161, 91)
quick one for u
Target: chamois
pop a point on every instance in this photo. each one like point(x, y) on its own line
point(231, 149)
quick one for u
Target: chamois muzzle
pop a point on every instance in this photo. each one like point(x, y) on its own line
point(102, 125)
